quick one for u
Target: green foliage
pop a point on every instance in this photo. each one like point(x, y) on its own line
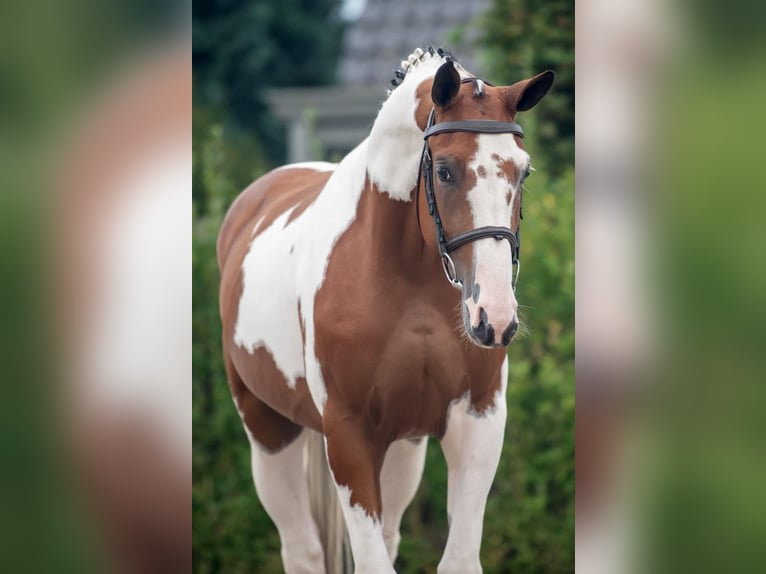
point(241, 48)
point(529, 523)
point(532, 508)
point(231, 531)
point(525, 37)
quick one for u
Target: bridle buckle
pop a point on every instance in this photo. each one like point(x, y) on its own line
point(450, 271)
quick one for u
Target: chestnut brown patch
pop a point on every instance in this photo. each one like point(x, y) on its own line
point(506, 168)
point(484, 401)
point(302, 325)
point(263, 382)
point(516, 213)
point(272, 430)
point(481, 171)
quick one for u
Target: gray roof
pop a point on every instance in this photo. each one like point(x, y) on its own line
point(389, 30)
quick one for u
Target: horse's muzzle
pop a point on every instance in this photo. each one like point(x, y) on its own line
point(485, 333)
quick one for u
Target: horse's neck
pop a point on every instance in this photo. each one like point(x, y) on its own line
point(394, 239)
point(393, 161)
point(388, 204)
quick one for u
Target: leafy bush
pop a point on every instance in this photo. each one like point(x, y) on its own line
point(524, 37)
point(231, 531)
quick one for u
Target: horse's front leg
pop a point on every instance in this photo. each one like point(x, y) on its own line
point(472, 446)
point(356, 458)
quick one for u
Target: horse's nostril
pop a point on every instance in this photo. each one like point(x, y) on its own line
point(482, 317)
point(484, 331)
point(510, 332)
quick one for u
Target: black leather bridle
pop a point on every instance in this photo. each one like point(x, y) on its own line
point(447, 246)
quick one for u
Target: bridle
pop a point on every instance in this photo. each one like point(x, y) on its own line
point(447, 246)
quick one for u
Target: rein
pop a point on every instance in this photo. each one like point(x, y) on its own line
point(447, 246)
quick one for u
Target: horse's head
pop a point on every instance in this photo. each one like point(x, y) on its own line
point(473, 170)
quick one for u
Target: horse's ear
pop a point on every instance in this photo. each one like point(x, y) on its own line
point(525, 94)
point(446, 84)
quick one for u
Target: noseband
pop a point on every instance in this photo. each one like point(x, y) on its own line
point(447, 246)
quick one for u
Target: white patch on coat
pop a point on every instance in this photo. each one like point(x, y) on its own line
point(489, 206)
point(399, 480)
point(366, 535)
point(267, 317)
point(396, 141)
point(286, 266)
point(280, 481)
point(472, 445)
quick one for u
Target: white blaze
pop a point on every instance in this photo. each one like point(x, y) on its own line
point(489, 206)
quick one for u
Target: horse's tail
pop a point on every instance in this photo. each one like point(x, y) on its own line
point(326, 508)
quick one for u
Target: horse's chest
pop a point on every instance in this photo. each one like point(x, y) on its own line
point(400, 367)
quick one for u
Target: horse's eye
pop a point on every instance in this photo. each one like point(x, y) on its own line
point(525, 176)
point(443, 174)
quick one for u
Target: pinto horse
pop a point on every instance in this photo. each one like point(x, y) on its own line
point(337, 316)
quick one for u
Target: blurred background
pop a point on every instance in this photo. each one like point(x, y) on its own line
point(670, 287)
point(670, 304)
point(278, 81)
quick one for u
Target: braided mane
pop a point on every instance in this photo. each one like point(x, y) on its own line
point(396, 141)
point(417, 56)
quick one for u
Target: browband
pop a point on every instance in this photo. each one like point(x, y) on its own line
point(475, 126)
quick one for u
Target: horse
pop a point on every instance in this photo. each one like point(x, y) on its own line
point(370, 303)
